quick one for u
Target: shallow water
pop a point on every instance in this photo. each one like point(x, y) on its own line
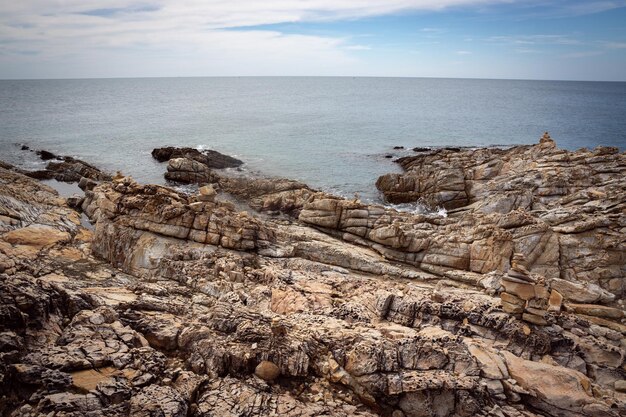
point(332, 133)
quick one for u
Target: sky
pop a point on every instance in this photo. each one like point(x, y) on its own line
point(531, 39)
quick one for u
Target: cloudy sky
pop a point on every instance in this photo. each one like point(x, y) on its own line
point(530, 39)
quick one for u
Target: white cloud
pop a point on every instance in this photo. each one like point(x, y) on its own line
point(527, 51)
point(582, 54)
point(79, 32)
point(358, 47)
point(535, 40)
point(463, 52)
point(614, 45)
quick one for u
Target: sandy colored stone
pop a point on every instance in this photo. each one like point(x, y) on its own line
point(535, 319)
point(555, 387)
point(267, 371)
point(555, 301)
point(511, 299)
point(35, 235)
point(597, 310)
point(88, 379)
point(512, 308)
point(521, 290)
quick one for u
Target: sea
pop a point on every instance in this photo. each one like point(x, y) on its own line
point(337, 134)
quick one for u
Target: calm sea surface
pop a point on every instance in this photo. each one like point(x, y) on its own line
point(332, 133)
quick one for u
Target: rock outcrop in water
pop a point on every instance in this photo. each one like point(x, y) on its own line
point(64, 169)
point(209, 158)
point(184, 305)
point(520, 177)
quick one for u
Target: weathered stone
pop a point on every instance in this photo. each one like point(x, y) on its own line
point(522, 291)
point(597, 310)
point(555, 301)
point(511, 299)
point(580, 292)
point(267, 371)
point(558, 391)
point(358, 309)
point(535, 319)
point(210, 158)
point(512, 308)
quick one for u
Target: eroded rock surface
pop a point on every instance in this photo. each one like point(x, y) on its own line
point(183, 305)
point(209, 158)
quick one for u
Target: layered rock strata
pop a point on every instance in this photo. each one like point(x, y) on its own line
point(276, 195)
point(501, 180)
point(183, 305)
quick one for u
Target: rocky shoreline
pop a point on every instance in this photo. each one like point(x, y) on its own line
point(260, 297)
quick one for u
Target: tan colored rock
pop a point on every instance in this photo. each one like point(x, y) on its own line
point(534, 318)
point(580, 292)
point(337, 295)
point(559, 391)
point(38, 236)
point(524, 291)
point(267, 371)
point(207, 193)
point(88, 379)
point(597, 310)
point(512, 308)
point(511, 299)
point(492, 365)
point(188, 171)
point(555, 301)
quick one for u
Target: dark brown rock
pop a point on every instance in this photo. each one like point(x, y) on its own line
point(210, 158)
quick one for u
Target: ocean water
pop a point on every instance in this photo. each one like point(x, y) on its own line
point(332, 133)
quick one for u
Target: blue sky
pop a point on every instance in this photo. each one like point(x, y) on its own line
point(532, 39)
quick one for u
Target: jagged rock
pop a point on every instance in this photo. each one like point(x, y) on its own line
point(498, 180)
point(580, 292)
point(207, 193)
point(158, 400)
point(349, 309)
point(188, 171)
point(209, 158)
point(562, 392)
point(69, 169)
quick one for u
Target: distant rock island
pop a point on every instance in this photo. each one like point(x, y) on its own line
point(265, 297)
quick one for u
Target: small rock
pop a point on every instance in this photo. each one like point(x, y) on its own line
point(555, 301)
point(207, 193)
point(267, 371)
point(45, 155)
point(532, 318)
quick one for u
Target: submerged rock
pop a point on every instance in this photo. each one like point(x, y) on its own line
point(44, 155)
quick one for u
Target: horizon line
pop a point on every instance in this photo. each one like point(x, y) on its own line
point(308, 76)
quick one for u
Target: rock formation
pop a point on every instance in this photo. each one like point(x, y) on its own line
point(186, 305)
point(277, 195)
point(499, 180)
point(209, 158)
point(64, 169)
